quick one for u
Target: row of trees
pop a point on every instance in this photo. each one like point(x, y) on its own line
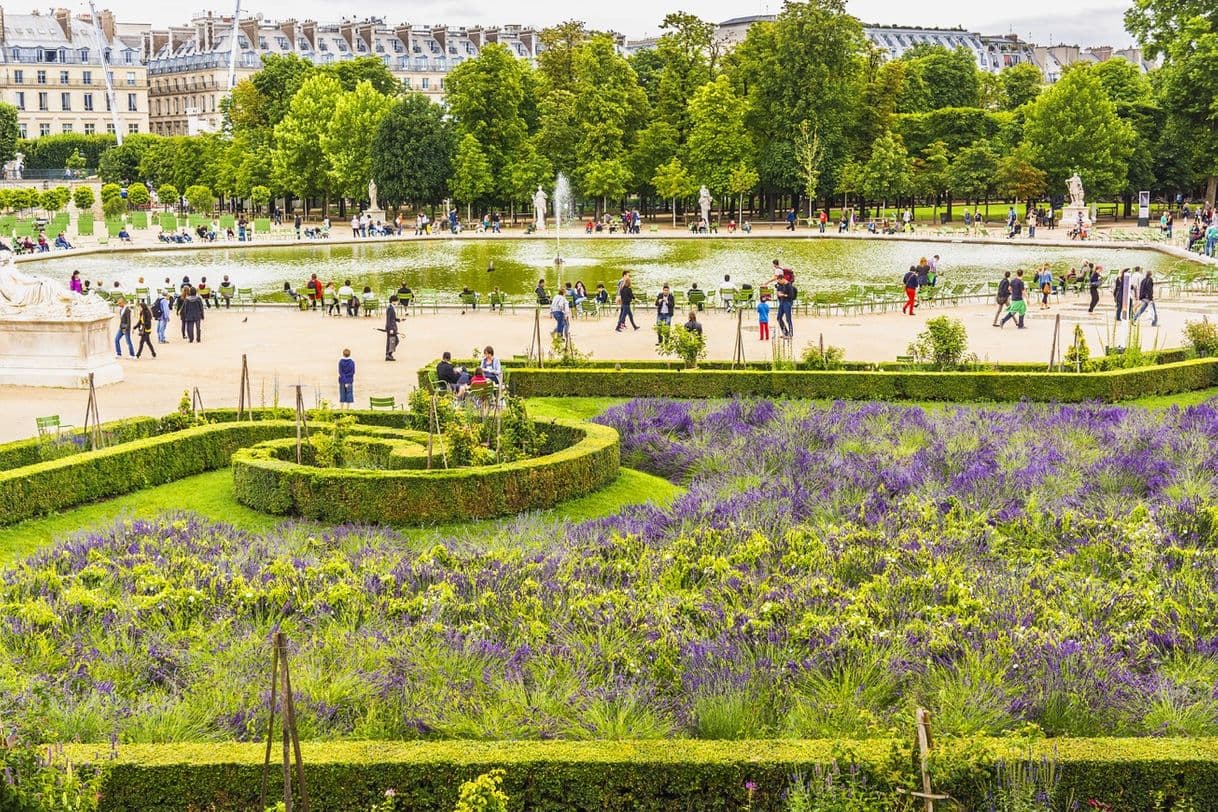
point(803, 110)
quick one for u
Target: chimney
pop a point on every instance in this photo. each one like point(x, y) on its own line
point(1, 24)
point(403, 33)
point(308, 30)
point(64, 18)
point(367, 32)
point(347, 29)
point(440, 34)
point(106, 18)
point(288, 27)
point(476, 36)
point(249, 27)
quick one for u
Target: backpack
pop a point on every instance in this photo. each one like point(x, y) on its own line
point(794, 293)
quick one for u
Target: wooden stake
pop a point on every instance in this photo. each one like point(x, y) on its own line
point(281, 686)
point(196, 402)
point(738, 356)
point(302, 427)
point(92, 423)
point(245, 399)
point(1057, 328)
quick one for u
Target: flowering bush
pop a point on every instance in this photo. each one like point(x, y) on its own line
point(828, 569)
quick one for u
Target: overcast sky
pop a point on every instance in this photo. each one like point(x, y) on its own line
point(1083, 22)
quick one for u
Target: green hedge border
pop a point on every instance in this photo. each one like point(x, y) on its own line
point(588, 459)
point(29, 451)
point(634, 775)
point(628, 381)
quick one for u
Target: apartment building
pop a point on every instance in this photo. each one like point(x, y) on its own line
point(52, 73)
point(188, 66)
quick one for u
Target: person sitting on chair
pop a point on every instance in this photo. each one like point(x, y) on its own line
point(456, 378)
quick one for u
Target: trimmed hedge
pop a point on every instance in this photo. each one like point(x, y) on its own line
point(71, 441)
point(265, 479)
point(636, 775)
point(1117, 385)
point(46, 487)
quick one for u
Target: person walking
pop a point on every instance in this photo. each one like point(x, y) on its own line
point(346, 380)
point(391, 328)
point(911, 290)
point(1004, 295)
point(786, 293)
point(162, 317)
point(1018, 308)
point(1146, 296)
point(1118, 292)
point(824, 220)
point(560, 309)
point(124, 329)
point(625, 296)
point(1044, 281)
point(145, 327)
point(1093, 283)
point(791, 217)
point(296, 223)
point(763, 318)
point(666, 303)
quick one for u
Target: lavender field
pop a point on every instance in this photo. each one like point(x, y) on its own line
point(829, 569)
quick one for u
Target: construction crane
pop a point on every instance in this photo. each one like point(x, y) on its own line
point(103, 49)
point(232, 52)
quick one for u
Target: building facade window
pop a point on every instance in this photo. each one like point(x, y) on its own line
point(132, 106)
point(130, 78)
point(67, 128)
point(20, 100)
point(110, 129)
point(426, 83)
point(42, 102)
point(18, 77)
point(41, 76)
point(86, 77)
point(63, 77)
point(44, 129)
point(90, 129)
point(21, 131)
point(133, 128)
point(65, 101)
point(89, 102)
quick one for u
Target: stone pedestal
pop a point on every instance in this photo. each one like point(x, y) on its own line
point(376, 215)
point(37, 352)
point(1070, 216)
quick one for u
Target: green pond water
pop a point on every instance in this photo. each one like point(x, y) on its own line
point(826, 267)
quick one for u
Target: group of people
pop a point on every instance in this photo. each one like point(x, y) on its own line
point(919, 277)
point(1133, 291)
point(25, 245)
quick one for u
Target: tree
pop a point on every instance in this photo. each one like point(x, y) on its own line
point(82, 198)
point(672, 180)
point(609, 105)
point(486, 97)
point(471, 180)
point(886, 173)
point(121, 164)
point(972, 172)
point(1073, 127)
point(939, 78)
point(1018, 178)
point(268, 98)
point(300, 161)
point(200, 199)
point(686, 51)
point(351, 73)
point(606, 178)
point(718, 140)
point(75, 162)
point(9, 132)
point(878, 104)
point(743, 180)
point(654, 146)
point(931, 176)
point(1021, 83)
point(51, 201)
point(137, 195)
point(260, 196)
point(412, 154)
point(1185, 33)
point(1123, 81)
point(529, 170)
point(807, 157)
point(167, 193)
point(349, 137)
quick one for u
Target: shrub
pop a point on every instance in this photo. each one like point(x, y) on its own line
point(564, 353)
point(942, 344)
point(688, 345)
point(1078, 357)
point(137, 195)
point(1201, 337)
point(483, 794)
point(829, 357)
point(200, 199)
point(82, 197)
point(167, 195)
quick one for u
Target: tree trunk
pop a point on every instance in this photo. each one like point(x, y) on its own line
point(1211, 189)
point(674, 212)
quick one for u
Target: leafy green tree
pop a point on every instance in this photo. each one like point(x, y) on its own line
point(805, 65)
point(167, 194)
point(718, 140)
point(1185, 33)
point(743, 180)
point(82, 198)
point(301, 164)
point(972, 172)
point(471, 180)
point(647, 65)
point(349, 137)
point(1123, 81)
point(48, 201)
point(672, 181)
point(121, 164)
point(412, 154)
point(110, 191)
point(351, 73)
point(609, 104)
point(200, 199)
point(9, 132)
point(268, 98)
point(1073, 127)
point(686, 50)
point(1017, 176)
point(878, 105)
point(21, 199)
point(137, 195)
point(486, 97)
point(654, 146)
point(1021, 83)
point(938, 77)
point(607, 178)
point(114, 208)
point(886, 173)
point(931, 176)
point(807, 157)
point(75, 162)
point(260, 196)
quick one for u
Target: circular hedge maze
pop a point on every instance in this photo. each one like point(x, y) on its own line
point(381, 475)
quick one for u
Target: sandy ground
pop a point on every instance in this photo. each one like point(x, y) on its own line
point(286, 347)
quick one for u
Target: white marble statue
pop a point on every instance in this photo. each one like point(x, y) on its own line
point(12, 169)
point(33, 297)
point(539, 209)
point(1074, 185)
point(372, 196)
point(704, 202)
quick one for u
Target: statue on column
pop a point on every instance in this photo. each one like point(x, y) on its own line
point(372, 196)
point(539, 209)
point(1074, 185)
point(704, 201)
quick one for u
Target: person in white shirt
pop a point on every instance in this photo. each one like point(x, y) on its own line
point(355, 225)
point(346, 295)
point(560, 309)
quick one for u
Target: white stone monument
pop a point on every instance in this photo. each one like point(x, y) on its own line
point(374, 211)
point(50, 336)
point(539, 209)
point(704, 202)
point(1076, 206)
